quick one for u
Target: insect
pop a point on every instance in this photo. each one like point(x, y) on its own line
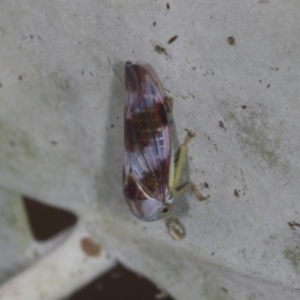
point(151, 170)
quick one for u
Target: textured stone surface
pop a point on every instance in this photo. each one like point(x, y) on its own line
point(61, 125)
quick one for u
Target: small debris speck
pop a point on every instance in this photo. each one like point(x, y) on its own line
point(168, 6)
point(160, 49)
point(236, 194)
point(175, 229)
point(221, 125)
point(172, 39)
point(231, 40)
point(293, 225)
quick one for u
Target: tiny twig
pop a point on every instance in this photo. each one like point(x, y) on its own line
point(243, 179)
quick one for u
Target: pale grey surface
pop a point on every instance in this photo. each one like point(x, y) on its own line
point(61, 125)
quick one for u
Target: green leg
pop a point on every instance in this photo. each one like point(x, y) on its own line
point(176, 171)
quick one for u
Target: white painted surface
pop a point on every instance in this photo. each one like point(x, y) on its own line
point(61, 132)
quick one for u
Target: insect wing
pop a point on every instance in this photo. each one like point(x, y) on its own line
point(147, 143)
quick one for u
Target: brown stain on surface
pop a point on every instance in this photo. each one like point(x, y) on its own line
point(89, 247)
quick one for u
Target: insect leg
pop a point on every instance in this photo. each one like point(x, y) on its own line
point(178, 165)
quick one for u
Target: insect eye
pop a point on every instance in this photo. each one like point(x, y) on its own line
point(165, 209)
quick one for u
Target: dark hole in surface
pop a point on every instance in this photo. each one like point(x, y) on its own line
point(46, 221)
point(117, 284)
point(120, 284)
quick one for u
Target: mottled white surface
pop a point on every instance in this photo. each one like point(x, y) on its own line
point(61, 131)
